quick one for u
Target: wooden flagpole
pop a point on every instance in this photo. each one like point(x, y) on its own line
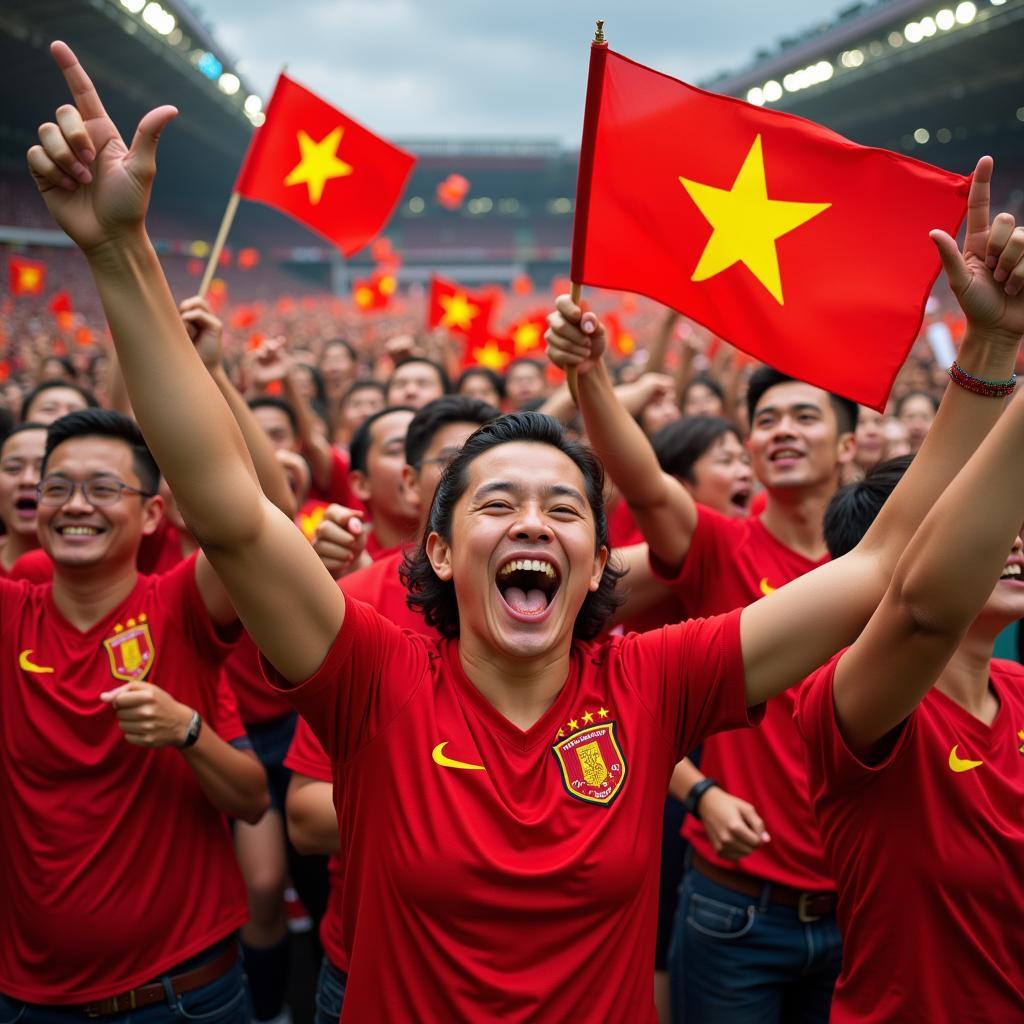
point(218, 245)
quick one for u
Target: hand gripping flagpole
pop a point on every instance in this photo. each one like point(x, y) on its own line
point(595, 81)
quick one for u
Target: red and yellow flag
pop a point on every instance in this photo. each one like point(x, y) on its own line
point(799, 247)
point(493, 354)
point(316, 164)
point(26, 277)
point(460, 311)
point(527, 334)
point(372, 294)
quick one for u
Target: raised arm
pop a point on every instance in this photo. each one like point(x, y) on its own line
point(97, 189)
point(794, 630)
point(664, 511)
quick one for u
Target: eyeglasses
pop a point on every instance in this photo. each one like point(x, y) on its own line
point(101, 492)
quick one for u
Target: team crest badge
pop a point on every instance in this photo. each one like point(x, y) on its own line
point(1020, 736)
point(131, 650)
point(592, 765)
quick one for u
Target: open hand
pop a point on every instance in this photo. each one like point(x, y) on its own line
point(96, 187)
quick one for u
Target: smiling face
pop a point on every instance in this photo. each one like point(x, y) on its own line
point(20, 460)
point(79, 535)
point(795, 439)
point(1006, 602)
point(522, 551)
point(722, 477)
point(381, 486)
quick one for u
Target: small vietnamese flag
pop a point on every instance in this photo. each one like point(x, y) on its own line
point(26, 277)
point(316, 164)
point(60, 303)
point(528, 334)
point(493, 354)
point(459, 310)
point(799, 247)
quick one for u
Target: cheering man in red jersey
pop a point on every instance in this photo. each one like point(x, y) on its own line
point(21, 456)
point(120, 753)
point(760, 936)
point(517, 758)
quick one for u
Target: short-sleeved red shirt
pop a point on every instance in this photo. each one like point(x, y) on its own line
point(339, 487)
point(732, 563)
point(504, 874)
point(927, 849)
point(380, 586)
point(114, 865)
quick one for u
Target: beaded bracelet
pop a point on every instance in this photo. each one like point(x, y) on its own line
point(977, 386)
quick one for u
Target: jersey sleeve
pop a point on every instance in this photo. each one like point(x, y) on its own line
point(178, 590)
point(690, 678)
point(306, 756)
point(34, 566)
point(710, 548)
point(370, 672)
point(832, 767)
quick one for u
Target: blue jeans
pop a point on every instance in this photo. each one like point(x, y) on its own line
point(330, 993)
point(738, 960)
point(223, 1001)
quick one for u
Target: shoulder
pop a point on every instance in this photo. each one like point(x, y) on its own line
point(1010, 674)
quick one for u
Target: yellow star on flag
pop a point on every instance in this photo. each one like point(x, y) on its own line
point(458, 311)
point(587, 718)
point(491, 356)
point(747, 223)
point(527, 337)
point(319, 163)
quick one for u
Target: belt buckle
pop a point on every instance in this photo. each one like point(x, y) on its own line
point(803, 914)
point(110, 1005)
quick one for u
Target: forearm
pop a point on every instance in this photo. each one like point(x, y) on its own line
point(186, 422)
point(233, 780)
point(269, 471)
point(312, 819)
point(685, 776)
point(659, 344)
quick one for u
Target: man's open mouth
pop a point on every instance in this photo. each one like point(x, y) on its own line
point(78, 530)
point(528, 585)
point(740, 499)
point(1013, 571)
point(26, 507)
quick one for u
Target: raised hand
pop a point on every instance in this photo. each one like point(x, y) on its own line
point(574, 338)
point(988, 277)
point(270, 362)
point(204, 328)
point(96, 187)
point(340, 540)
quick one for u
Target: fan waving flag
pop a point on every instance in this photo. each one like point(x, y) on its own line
point(316, 164)
point(799, 247)
point(459, 310)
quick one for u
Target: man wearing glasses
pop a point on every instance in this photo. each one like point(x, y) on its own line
point(121, 754)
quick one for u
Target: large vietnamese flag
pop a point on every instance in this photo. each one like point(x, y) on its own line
point(315, 163)
point(799, 247)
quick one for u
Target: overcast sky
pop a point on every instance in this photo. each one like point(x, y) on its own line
point(473, 68)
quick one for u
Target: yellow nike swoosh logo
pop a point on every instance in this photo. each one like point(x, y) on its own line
point(447, 762)
point(23, 661)
point(766, 587)
point(960, 764)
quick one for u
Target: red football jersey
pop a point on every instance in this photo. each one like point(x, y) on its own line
point(731, 563)
point(114, 865)
point(504, 874)
point(927, 848)
point(257, 702)
point(380, 586)
point(339, 488)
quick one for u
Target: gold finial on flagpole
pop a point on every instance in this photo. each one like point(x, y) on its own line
point(599, 34)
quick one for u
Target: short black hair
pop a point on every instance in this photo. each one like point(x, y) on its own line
point(853, 507)
point(110, 424)
point(706, 380)
point(903, 399)
point(495, 380)
point(274, 402)
point(442, 374)
point(526, 361)
point(364, 385)
point(319, 395)
point(765, 377)
point(340, 343)
point(66, 365)
point(681, 443)
point(21, 428)
point(439, 413)
point(48, 385)
point(436, 598)
point(359, 447)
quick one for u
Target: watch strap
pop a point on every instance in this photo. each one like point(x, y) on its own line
point(692, 801)
point(195, 726)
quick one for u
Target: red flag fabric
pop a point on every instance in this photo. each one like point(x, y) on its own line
point(799, 247)
point(527, 334)
point(621, 340)
point(60, 302)
point(460, 311)
point(494, 354)
point(372, 294)
point(316, 164)
point(26, 277)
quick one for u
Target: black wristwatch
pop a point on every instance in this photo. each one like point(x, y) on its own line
point(692, 801)
point(195, 726)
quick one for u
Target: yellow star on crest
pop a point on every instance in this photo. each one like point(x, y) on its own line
point(319, 163)
point(573, 724)
point(747, 223)
point(587, 718)
point(458, 311)
point(603, 712)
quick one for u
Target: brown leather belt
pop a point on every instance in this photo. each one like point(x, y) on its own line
point(809, 906)
point(148, 995)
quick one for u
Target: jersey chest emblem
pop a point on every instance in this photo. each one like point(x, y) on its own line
point(1020, 736)
point(131, 650)
point(591, 762)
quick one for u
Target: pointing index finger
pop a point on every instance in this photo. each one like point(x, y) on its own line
point(80, 84)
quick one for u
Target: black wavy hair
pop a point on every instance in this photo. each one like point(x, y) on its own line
point(281, 404)
point(434, 597)
point(853, 507)
point(47, 385)
point(439, 413)
point(681, 443)
point(110, 424)
point(359, 446)
point(765, 377)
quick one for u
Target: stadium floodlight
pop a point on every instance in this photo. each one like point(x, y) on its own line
point(965, 12)
point(895, 40)
point(945, 19)
point(133, 5)
point(209, 66)
point(228, 83)
point(772, 91)
point(253, 104)
point(927, 26)
point(912, 32)
point(921, 136)
point(852, 58)
point(944, 135)
point(998, 3)
point(417, 205)
point(175, 37)
point(756, 96)
point(158, 19)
